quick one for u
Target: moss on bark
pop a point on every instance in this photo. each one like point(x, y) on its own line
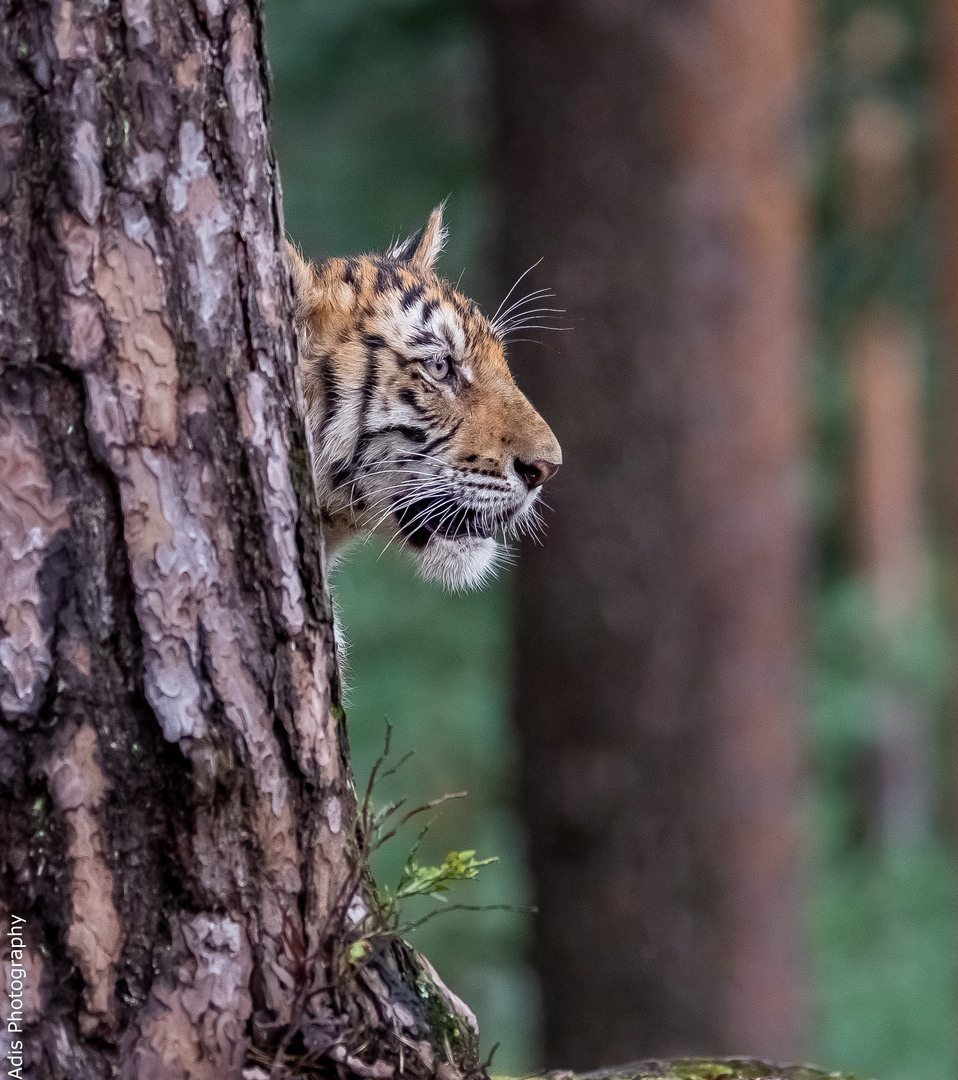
point(705, 1069)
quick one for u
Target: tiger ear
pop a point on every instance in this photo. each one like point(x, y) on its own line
point(422, 248)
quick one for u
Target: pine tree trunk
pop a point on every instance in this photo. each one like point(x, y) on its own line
point(945, 15)
point(178, 827)
point(650, 157)
point(892, 554)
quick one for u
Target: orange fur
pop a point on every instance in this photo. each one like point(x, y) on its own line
point(419, 430)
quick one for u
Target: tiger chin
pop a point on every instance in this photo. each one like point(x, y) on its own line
point(419, 432)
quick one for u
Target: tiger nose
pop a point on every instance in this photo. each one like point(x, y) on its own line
point(534, 473)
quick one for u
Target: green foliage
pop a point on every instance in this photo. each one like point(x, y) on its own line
point(435, 881)
point(884, 972)
point(416, 881)
point(881, 918)
point(855, 660)
point(383, 919)
point(377, 829)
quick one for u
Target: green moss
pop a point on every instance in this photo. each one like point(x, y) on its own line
point(444, 1024)
point(708, 1071)
point(714, 1069)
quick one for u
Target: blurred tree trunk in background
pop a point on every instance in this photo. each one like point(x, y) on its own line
point(894, 790)
point(891, 539)
point(946, 132)
point(651, 154)
point(882, 345)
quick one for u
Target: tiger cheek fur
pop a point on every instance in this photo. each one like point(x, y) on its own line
point(419, 431)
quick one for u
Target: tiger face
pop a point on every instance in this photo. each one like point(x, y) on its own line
point(419, 432)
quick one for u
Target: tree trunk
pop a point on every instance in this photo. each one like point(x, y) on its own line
point(946, 175)
point(183, 879)
point(649, 154)
point(891, 549)
point(876, 203)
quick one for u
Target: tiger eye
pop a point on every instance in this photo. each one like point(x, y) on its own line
point(438, 366)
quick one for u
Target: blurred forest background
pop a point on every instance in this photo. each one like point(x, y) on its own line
point(383, 108)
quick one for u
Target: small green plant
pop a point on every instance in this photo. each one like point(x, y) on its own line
point(384, 904)
point(435, 880)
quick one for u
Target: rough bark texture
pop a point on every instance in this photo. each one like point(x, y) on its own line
point(178, 842)
point(650, 156)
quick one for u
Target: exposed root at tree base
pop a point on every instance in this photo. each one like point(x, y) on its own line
point(393, 1016)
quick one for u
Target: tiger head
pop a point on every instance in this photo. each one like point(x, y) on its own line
point(419, 431)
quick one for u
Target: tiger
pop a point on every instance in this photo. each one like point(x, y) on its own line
point(419, 433)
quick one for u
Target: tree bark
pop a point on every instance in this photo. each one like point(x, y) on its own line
point(182, 863)
point(650, 157)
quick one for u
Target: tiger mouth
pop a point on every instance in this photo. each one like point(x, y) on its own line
point(426, 518)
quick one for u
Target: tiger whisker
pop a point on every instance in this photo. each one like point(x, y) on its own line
point(420, 519)
point(386, 497)
point(530, 311)
point(539, 294)
point(532, 316)
point(512, 290)
point(414, 496)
